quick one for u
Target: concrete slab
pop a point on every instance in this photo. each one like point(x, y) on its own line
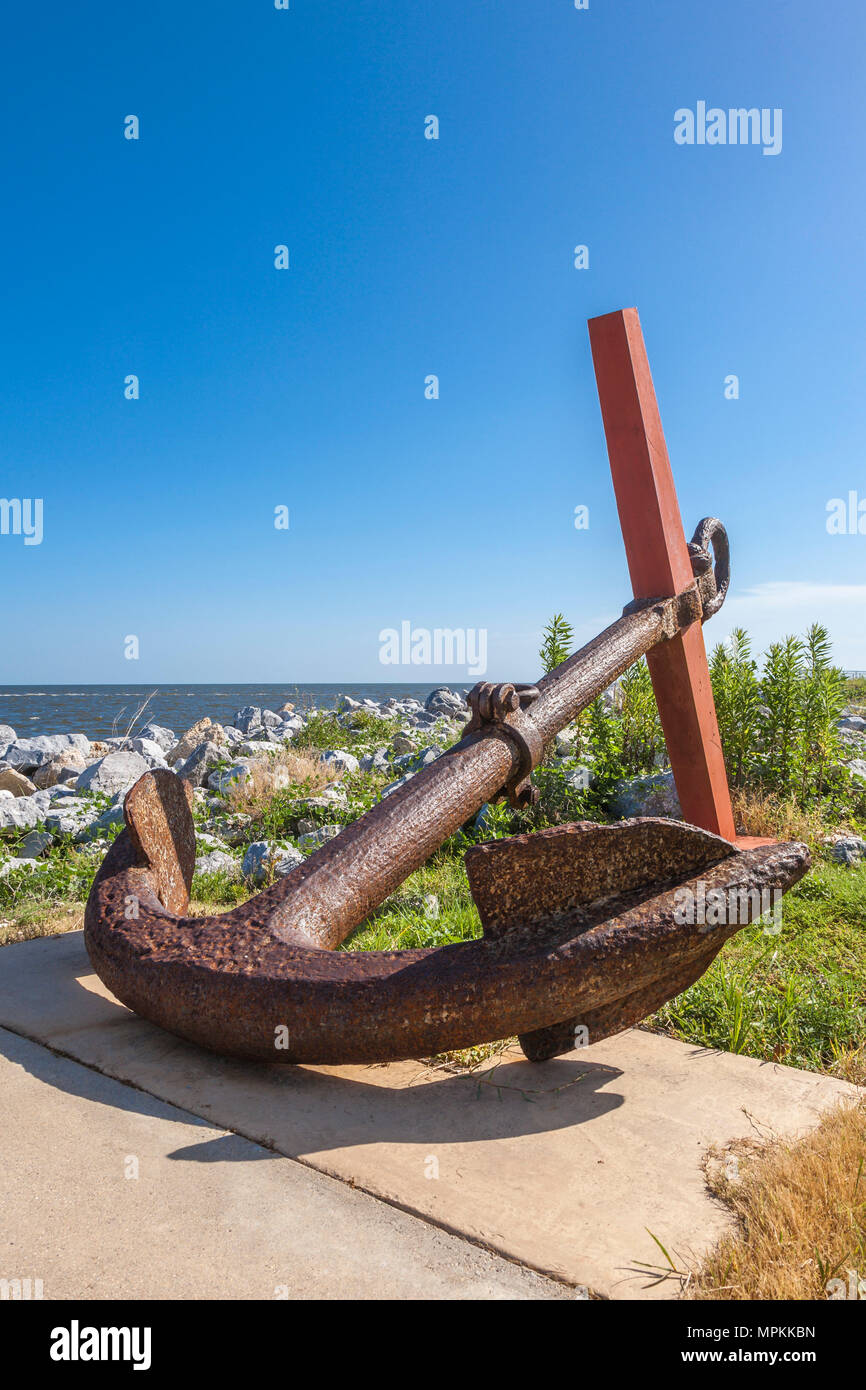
point(564, 1167)
point(109, 1193)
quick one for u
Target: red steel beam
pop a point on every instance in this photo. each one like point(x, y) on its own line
point(659, 565)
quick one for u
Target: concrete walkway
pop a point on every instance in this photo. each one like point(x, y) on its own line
point(563, 1167)
point(106, 1192)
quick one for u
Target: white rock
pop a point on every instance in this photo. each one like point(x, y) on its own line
point(35, 842)
point(22, 758)
point(263, 857)
point(444, 701)
point(413, 762)
point(19, 813)
point(70, 820)
point(314, 838)
point(200, 763)
point(7, 865)
point(29, 753)
point(293, 725)
point(655, 795)
point(579, 778)
point(376, 761)
point(116, 772)
point(203, 837)
point(155, 733)
point(337, 757)
point(218, 862)
point(150, 749)
point(851, 850)
point(237, 774)
point(248, 719)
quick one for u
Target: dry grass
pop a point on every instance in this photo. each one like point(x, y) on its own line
point(53, 921)
point(762, 813)
point(464, 1059)
point(801, 1207)
point(58, 920)
point(201, 909)
point(275, 773)
point(850, 1065)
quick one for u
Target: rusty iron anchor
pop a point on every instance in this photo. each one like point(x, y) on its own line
point(581, 927)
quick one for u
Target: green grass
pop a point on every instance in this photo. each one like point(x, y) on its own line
point(361, 732)
point(797, 998)
point(218, 890)
point(29, 895)
point(401, 925)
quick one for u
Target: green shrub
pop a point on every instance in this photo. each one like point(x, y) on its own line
point(778, 725)
point(556, 642)
point(738, 703)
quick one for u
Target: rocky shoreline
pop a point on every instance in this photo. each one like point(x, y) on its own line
point(65, 789)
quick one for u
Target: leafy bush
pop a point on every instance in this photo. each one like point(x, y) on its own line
point(360, 731)
point(738, 703)
point(642, 744)
point(778, 726)
point(556, 642)
point(779, 730)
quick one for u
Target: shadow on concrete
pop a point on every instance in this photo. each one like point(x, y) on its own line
point(299, 1111)
point(229, 1148)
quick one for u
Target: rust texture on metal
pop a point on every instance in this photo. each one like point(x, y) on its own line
point(710, 555)
point(236, 984)
point(580, 922)
point(501, 709)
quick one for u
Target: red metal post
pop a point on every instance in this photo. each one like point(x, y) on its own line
point(659, 565)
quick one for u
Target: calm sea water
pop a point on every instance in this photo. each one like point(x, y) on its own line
point(101, 710)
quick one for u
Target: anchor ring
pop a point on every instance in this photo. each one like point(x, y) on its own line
point(712, 581)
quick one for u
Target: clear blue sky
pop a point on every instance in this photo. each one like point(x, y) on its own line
point(409, 257)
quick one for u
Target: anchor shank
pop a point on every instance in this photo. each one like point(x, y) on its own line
point(572, 687)
point(347, 879)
